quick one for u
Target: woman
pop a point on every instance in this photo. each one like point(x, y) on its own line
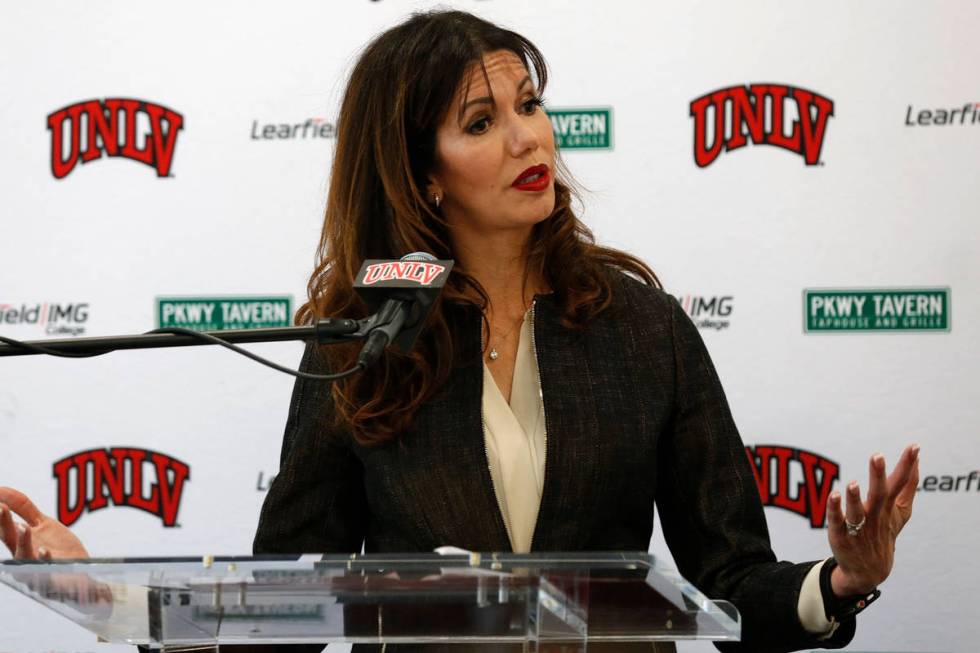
point(555, 393)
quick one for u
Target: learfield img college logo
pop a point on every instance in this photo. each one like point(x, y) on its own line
point(966, 482)
point(139, 130)
point(869, 309)
point(53, 318)
point(775, 465)
point(309, 129)
point(788, 117)
point(120, 476)
point(221, 313)
point(969, 114)
point(709, 312)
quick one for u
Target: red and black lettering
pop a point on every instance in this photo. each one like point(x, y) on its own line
point(84, 131)
point(731, 117)
point(117, 478)
point(772, 464)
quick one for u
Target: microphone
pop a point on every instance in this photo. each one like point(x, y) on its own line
point(402, 293)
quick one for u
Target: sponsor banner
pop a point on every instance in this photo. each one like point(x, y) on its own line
point(51, 318)
point(968, 482)
point(710, 312)
point(788, 117)
point(968, 114)
point(309, 129)
point(220, 313)
point(893, 309)
point(582, 129)
point(775, 465)
point(138, 130)
point(120, 476)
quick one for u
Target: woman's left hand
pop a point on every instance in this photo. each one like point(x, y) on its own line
point(862, 535)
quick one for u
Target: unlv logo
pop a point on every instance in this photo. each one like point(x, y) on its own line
point(773, 466)
point(760, 112)
point(419, 272)
point(135, 129)
point(90, 480)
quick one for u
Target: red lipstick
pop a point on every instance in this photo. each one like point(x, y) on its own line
point(535, 178)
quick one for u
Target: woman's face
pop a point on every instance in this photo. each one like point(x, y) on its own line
point(495, 160)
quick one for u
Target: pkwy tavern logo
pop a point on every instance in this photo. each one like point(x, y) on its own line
point(901, 309)
point(139, 130)
point(219, 313)
point(122, 476)
point(582, 129)
point(788, 117)
point(776, 467)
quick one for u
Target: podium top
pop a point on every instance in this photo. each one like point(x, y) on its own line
point(374, 598)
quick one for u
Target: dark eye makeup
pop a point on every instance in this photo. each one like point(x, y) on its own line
point(481, 122)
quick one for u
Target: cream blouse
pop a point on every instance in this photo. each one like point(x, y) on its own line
point(515, 439)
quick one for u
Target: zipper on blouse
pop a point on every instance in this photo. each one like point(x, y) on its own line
point(537, 365)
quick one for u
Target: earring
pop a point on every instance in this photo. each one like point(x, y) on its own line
point(437, 199)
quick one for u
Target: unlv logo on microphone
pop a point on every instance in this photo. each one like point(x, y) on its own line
point(91, 480)
point(421, 272)
point(134, 129)
point(730, 117)
point(773, 465)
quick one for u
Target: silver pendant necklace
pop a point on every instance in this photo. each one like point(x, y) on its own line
point(493, 354)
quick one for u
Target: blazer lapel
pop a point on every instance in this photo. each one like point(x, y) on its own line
point(568, 501)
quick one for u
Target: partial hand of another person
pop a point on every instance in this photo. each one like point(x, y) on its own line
point(862, 535)
point(40, 536)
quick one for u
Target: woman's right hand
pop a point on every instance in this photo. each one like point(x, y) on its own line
point(40, 536)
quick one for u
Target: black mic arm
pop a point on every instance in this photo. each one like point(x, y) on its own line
point(323, 331)
point(387, 323)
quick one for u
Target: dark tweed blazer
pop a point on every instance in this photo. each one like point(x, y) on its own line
point(635, 414)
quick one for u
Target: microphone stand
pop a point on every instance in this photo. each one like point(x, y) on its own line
point(327, 331)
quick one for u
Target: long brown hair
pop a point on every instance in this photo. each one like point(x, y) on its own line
point(398, 92)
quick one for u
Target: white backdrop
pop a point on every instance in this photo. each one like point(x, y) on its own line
point(889, 205)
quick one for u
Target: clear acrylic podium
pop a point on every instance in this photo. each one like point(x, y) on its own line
point(539, 601)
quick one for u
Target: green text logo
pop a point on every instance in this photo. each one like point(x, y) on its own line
point(582, 128)
point(908, 309)
point(217, 313)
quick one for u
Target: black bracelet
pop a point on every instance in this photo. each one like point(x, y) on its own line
point(838, 609)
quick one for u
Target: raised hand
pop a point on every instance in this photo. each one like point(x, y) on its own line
point(39, 536)
point(862, 535)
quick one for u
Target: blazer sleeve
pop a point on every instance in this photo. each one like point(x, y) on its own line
point(317, 503)
point(712, 515)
